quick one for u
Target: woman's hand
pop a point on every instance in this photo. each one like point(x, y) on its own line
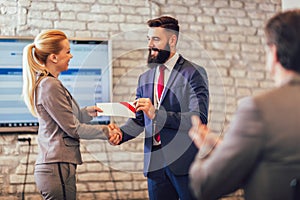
point(92, 110)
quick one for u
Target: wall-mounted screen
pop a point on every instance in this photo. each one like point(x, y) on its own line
point(88, 79)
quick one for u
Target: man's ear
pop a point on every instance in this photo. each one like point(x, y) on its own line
point(273, 50)
point(273, 59)
point(53, 58)
point(173, 40)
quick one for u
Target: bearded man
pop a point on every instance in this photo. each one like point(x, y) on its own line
point(168, 94)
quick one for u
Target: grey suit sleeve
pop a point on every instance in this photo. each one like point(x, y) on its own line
point(87, 131)
point(58, 104)
point(230, 163)
point(84, 116)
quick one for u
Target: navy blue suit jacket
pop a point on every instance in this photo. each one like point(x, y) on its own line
point(186, 94)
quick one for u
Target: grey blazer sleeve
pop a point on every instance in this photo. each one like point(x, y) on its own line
point(230, 163)
point(65, 111)
point(87, 131)
point(84, 117)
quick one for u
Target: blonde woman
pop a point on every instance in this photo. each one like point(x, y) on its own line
point(61, 121)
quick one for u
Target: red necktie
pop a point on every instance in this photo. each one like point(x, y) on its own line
point(160, 82)
point(160, 88)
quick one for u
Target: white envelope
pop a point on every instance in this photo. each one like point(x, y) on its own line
point(120, 109)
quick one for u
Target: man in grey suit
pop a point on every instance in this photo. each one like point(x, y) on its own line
point(260, 152)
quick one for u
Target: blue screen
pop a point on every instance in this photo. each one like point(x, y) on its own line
point(88, 79)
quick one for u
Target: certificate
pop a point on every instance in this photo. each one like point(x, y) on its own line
point(119, 109)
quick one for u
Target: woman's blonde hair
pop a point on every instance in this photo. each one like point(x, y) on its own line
point(34, 63)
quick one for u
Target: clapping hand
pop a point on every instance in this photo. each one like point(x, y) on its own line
point(204, 139)
point(198, 132)
point(115, 134)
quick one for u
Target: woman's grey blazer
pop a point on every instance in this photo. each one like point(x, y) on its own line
point(61, 124)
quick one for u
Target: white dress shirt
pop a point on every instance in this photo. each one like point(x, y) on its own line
point(169, 66)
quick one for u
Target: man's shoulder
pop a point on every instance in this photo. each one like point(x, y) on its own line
point(147, 73)
point(276, 97)
point(188, 64)
point(271, 94)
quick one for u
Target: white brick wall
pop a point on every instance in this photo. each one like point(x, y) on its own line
point(225, 36)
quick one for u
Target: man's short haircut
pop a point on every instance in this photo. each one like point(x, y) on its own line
point(283, 31)
point(169, 23)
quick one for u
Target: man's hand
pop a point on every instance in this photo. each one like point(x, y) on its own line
point(198, 132)
point(205, 140)
point(115, 134)
point(145, 105)
point(92, 110)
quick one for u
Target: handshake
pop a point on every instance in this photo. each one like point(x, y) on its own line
point(115, 134)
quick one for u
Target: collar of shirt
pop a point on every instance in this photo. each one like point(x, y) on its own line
point(171, 62)
point(169, 66)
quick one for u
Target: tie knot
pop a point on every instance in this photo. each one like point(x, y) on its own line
point(162, 68)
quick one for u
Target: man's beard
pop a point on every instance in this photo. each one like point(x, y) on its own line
point(162, 56)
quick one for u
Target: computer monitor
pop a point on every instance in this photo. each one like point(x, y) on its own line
point(88, 79)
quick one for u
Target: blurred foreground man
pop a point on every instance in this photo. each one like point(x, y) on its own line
point(260, 152)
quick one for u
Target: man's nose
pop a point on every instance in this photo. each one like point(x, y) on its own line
point(150, 43)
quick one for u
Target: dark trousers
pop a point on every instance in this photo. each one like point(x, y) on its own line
point(56, 180)
point(163, 184)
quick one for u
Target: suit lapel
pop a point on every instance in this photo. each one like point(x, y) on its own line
point(172, 77)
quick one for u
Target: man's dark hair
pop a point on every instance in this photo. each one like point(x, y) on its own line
point(283, 31)
point(169, 23)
